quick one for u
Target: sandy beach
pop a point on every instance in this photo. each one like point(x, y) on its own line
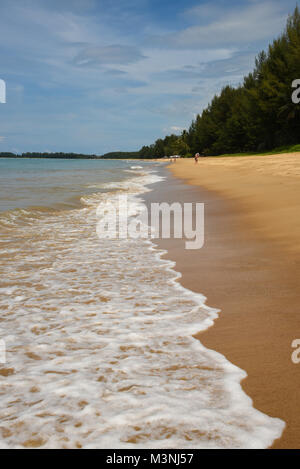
point(249, 269)
point(265, 187)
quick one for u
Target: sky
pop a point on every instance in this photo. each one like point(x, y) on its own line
point(95, 76)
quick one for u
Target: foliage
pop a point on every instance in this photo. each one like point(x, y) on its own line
point(256, 116)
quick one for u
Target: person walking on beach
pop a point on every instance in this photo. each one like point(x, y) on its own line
point(197, 156)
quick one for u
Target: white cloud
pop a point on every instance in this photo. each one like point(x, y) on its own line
point(205, 11)
point(165, 70)
point(176, 129)
point(99, 67)
point(113, 54)
point(250, 23)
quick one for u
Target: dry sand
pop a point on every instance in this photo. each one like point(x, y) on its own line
point(249, 268)
point(266, 187)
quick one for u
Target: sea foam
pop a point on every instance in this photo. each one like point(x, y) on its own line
point(100, 347)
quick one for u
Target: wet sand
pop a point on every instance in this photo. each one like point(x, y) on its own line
point(249, 268)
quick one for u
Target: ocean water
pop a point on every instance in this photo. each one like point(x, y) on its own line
point(99, 332)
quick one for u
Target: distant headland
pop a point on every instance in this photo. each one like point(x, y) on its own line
point(72, 156)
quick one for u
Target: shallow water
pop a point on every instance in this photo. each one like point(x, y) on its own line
point(99, 340)
point(55, 183)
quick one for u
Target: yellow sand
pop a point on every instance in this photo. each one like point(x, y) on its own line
point(249, 268)
point(267, 187)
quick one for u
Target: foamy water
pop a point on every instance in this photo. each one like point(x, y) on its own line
point(100, 352)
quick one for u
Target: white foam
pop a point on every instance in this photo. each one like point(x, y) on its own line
point(99, 341)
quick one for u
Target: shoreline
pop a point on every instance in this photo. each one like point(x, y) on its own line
point(251, 277)
point(132, 343)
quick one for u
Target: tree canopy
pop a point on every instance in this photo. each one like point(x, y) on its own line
point(258, 115)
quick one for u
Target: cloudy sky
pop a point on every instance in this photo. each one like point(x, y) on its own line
point(95, 76)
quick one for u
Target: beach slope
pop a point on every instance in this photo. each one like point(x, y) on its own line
point(249, 268)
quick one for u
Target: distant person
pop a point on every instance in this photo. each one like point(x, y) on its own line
point(197, 156)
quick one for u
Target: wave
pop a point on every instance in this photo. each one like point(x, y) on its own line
point(100, 346)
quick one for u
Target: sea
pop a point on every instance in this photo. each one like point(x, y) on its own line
point(98, 333)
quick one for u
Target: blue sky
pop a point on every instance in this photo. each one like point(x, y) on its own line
point(95, 76)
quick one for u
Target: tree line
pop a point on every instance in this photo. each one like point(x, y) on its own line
point(47, 155)
point(256, 116)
